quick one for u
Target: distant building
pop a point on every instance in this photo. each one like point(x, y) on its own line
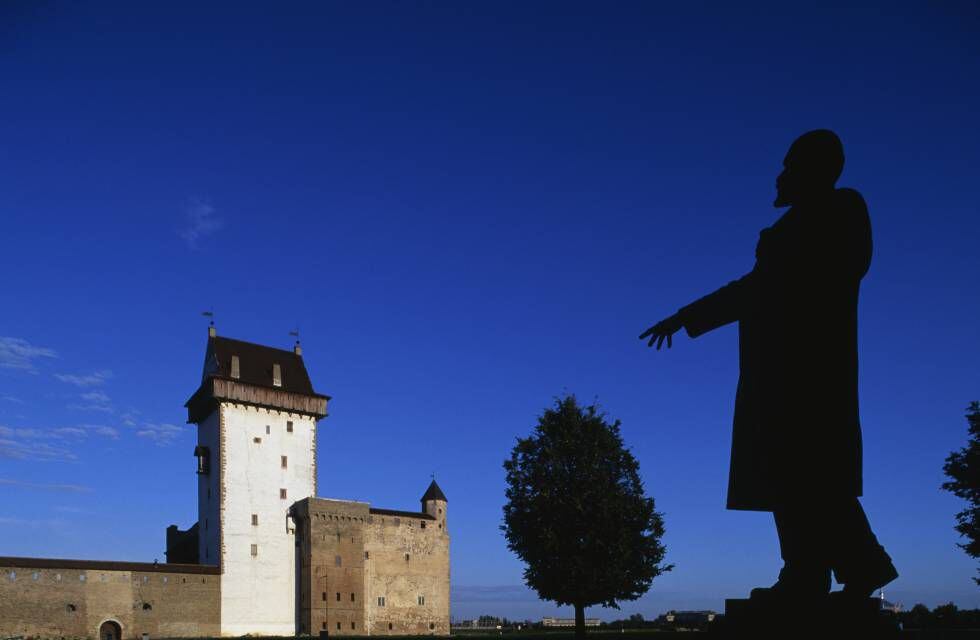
point(687, 618)
point(568, 622)
point(266, 556)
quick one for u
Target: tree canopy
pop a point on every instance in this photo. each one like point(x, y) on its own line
point(576, 512)
point(963, 469)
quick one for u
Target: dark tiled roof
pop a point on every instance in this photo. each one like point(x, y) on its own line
point(403, 514)
point(106, 565)
point(255, 364)
point(434, 493)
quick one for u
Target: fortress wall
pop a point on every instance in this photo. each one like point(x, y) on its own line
point(39, 598)
point(425, 572)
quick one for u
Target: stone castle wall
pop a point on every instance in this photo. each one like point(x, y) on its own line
point(369, 571)
point(71, 599)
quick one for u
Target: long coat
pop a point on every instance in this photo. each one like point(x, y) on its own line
point(796, 437)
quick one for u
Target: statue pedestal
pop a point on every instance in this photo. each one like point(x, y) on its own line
point(824, 617)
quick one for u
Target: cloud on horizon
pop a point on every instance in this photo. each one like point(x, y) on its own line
point(24, 443)
point(21, 355)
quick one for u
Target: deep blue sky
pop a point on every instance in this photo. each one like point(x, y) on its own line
point(467, 208)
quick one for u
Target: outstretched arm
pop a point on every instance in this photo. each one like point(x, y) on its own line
point(701, 316)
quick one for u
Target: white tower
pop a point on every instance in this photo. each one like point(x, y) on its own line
point(256, 415)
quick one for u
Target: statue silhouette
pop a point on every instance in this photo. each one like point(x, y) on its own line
point(796, 439)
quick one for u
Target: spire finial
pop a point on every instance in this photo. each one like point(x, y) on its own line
point(298, 350)
point(212, 332)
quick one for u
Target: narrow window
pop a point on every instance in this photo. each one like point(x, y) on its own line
point(338, 626)
point(389, 626)
point(336, 563)
point(431, 626)
point(367, 555)
point(324, 624)
point(255, 519)
point(147, 606)
point(257, 440)
point(421, 600)
point(423, 524)
point(352, 625)
point(283, 461)
point(205, 524)
point(268, 429)
point(352, 597)
point(324, 596)
point(338, 596)
point(282, 494)
point(203, 455)
point(406, 557)
point(255, 550)
point(235, 367)
point(276, 375)
point(71, 608)
point(289, 426)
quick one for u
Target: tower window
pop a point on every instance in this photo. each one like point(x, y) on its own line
point(282, 494)
point(338, 596)
point(352, 597)
point(352, 625)
point(423, 524)
point(257, 440)
point(283, 461)
point(203, 455)
point(276, 375)
point(324, 596)
point(268, 429)
point(235, 367)
point(255, 550)
point(381, 601)
point(289, 426)
point(432, 626)
point(336, 563)
point(406, 557)
point(389, 626)
point(367, 555)
point(338, 626)
point(255, 519)
point(421, 600)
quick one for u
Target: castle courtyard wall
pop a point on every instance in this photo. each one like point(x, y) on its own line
point(46, 598)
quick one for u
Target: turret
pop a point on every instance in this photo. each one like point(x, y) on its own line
point(434, 503)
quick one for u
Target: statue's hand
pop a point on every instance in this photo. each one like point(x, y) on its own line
point(663, 330)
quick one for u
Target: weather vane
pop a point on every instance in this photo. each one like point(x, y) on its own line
point(209, 314)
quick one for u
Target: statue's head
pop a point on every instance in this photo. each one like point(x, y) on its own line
point(811, 168)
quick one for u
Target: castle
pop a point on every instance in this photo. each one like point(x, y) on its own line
point(266, 556)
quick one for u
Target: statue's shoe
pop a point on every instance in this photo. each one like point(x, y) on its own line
point(863, 586)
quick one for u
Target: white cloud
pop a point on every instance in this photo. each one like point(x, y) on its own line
point(22, 443)
point(93, 379)
point(13, 399)
point(45, 486)
point(200, 221)
point(160, 434)
point(16, 353)
point(96, 396)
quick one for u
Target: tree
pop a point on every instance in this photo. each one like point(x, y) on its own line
point(963, 469)
point(576, 512)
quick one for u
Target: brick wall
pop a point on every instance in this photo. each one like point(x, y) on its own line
point(39, 598)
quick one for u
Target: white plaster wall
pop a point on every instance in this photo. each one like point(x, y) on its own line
point(258, 593)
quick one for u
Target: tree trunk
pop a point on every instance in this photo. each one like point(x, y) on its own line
point(579, 622)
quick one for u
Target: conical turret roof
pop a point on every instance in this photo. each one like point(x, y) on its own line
point(434, 493)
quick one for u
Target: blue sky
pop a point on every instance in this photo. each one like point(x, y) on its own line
point(468, 209)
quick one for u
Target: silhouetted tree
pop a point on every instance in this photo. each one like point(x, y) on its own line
point(576, 512)
point(963, 469)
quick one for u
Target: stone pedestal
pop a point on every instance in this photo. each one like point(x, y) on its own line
point(827, 617)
